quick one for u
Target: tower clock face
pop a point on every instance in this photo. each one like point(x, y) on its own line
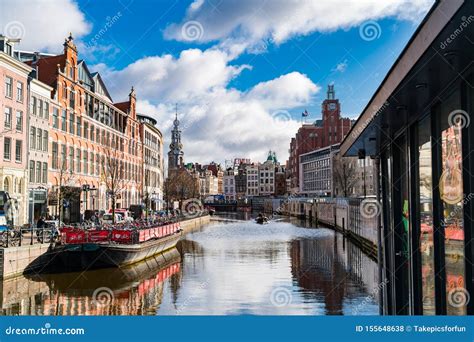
point(332, 106)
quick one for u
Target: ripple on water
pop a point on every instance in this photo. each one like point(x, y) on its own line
point(275, 231)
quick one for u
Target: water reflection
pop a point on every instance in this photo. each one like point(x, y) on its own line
point(227, 267)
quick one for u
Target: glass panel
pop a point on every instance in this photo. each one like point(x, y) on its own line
point(452, 197)
point(402, 227)
point(426, 217)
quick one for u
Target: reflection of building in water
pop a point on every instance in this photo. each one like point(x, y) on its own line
point(134, 290)
point(20, 296)
point(334, 268)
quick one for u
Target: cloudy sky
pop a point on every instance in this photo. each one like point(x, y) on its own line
point(241, 71)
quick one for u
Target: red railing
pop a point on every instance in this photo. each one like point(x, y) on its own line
point(134, 234)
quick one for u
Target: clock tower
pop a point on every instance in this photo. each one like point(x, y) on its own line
point(331, 113)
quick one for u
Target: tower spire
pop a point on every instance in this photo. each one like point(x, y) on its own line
point(331, 93)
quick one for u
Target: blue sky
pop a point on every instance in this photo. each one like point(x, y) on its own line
point(243, 72)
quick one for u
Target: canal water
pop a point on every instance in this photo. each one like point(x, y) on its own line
point(232, 266)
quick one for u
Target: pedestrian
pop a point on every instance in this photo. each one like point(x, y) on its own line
point(41, 223)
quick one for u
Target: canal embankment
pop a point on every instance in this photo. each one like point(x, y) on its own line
point(355, 218)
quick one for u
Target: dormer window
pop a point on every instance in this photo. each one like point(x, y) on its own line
point(9, 49)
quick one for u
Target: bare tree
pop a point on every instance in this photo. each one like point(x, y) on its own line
point(344, 175)
point(113, 175)
point(181, 185)
point(66, 179)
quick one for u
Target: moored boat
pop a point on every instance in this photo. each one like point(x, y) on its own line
point(82, 250)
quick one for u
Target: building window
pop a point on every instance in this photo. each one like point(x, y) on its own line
point(38, 172)
point(55, 118)
point(8, 87)
point(54, 153)
point(92, 164)
point(6, 184)
point(453, 201)
point(85, 161)
point(19, 91)
point(78, 126)
point(92, 133)
point(33, 105)
point(39, 109)
point(63, 158)
point(45, 141)
point(71, 159)
point(78, 160)
point(72, 118)
point(46, 110)
point(19, 121)
point(32, 138)
point(64, 121)
point(8, 117)
point(86, 130)
point(45, 173)
point(18, 150)
point(39, 139)
point(72, 99)
point(32, 171)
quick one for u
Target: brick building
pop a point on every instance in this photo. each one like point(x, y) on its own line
point(89, 136)
point(331, 129)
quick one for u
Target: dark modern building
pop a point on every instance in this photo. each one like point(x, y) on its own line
point(418, 127)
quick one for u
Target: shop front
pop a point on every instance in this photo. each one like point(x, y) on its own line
point(37, 204)
point(418, 127)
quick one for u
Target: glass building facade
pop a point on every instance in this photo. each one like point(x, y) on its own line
point(422, 137)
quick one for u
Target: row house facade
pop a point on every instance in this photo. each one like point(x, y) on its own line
point(40, 108)
point(229, 184)
point(13, 129)
point(152, 140)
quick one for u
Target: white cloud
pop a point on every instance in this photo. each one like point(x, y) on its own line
point(218, 122)
point(280, 20)
point(42, 25)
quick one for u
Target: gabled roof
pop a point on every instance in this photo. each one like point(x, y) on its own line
point(89, 83)
point(123, 106)
point(100, 85)
point(48, 67)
